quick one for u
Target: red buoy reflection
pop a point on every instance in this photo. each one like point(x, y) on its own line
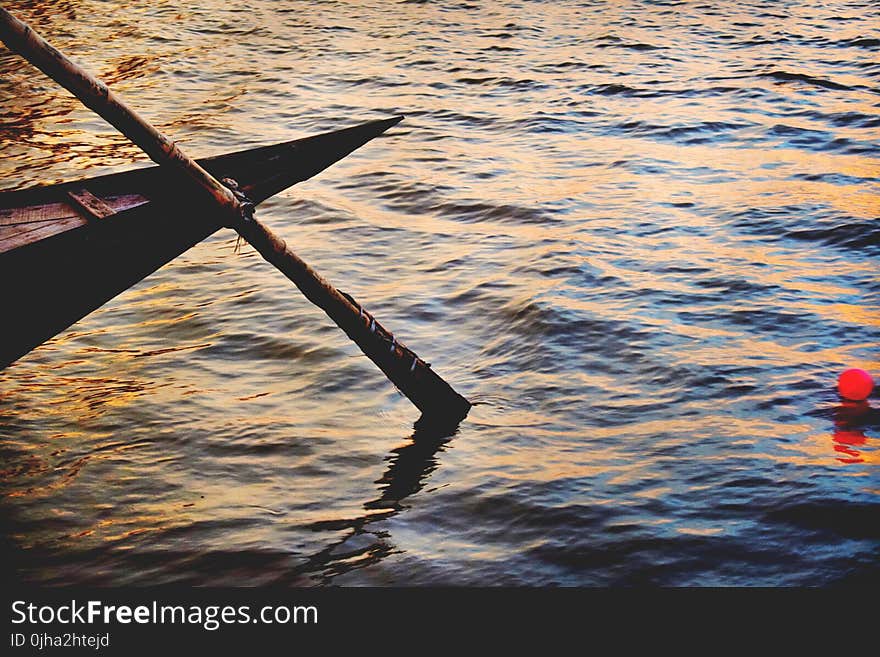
point(849, 418)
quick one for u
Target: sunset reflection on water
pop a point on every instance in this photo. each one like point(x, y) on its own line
point(640, 236)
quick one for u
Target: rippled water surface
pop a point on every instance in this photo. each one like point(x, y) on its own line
point(641, 236)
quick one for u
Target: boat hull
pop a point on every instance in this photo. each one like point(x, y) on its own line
point(60, 280)
point(77, 263)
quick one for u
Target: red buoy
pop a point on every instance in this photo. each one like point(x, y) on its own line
point(855, 384)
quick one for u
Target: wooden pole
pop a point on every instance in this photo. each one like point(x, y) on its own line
point(413, 377)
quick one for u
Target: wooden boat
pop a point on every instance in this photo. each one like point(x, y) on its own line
point(67, 249)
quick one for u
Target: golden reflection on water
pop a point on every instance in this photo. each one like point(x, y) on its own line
point(214, 389)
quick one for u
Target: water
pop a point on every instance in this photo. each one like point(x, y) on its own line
point(641, 236)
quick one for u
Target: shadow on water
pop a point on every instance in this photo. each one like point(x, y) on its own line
point(361, 544)
point(409, 466)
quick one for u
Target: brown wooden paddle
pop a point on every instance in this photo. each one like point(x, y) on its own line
point(415, 379)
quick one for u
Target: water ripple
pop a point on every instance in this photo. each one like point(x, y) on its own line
point(641, 236)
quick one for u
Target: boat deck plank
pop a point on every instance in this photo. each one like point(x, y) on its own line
point(93, 206)
point(24, 225)
point(36, 213)
point(14, 237)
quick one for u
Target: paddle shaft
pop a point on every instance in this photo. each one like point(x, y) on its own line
point(427, 390)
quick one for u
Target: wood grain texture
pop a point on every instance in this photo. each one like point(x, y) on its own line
point(23, 225)
point(36, 213)
point(15, 237)
point(90, 204)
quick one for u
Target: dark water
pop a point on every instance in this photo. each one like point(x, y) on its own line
point(642, 236)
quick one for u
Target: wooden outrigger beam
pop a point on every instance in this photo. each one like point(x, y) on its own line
point(412, 376)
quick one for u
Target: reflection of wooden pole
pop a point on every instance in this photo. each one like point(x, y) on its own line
point(430, 393)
